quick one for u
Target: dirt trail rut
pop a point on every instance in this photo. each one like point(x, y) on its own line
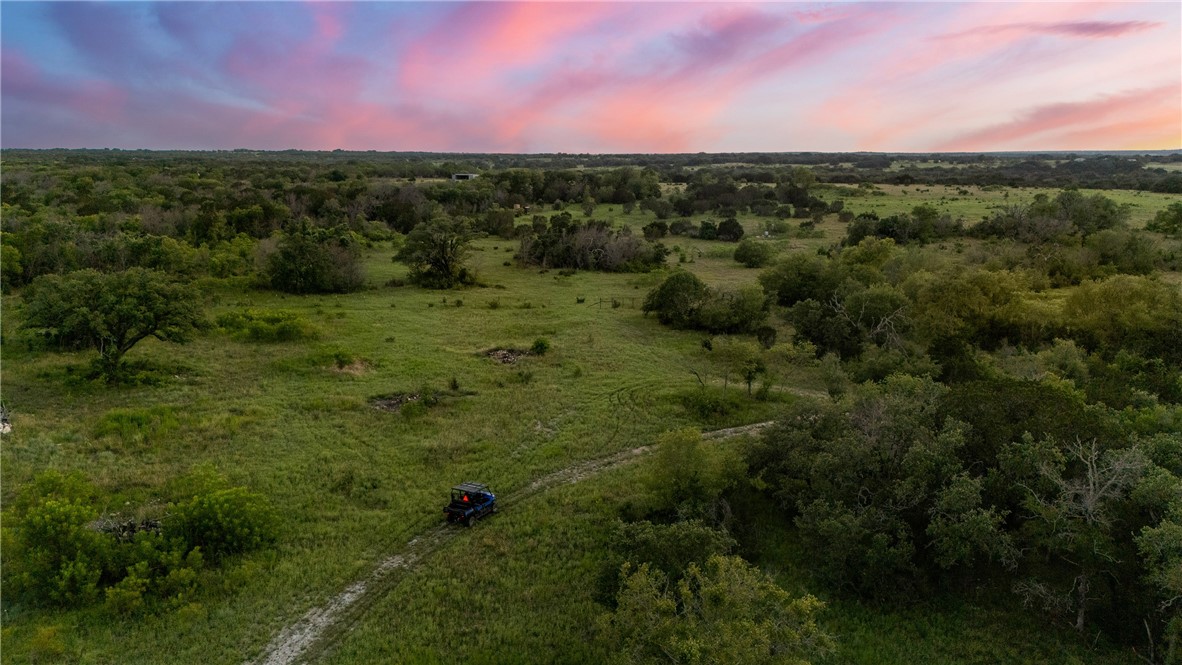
point(318, 628)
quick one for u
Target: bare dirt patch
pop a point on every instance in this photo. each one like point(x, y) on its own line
point(355, 368)
point(506, 356)
point(393, 403)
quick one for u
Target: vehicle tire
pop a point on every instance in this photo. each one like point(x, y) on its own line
point(468, 521)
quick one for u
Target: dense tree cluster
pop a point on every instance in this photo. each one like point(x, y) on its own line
point(676, 591)
point(561, 242)
point(309, 259)
point(1168, 221)
point(870, 297)
point(684, 301)
point(1045, 219)
point(923, 225)
point(911, 483)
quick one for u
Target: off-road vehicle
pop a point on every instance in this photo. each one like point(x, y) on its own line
point(470, 502)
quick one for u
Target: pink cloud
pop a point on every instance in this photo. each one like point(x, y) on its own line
point(1081, 118)
point(537, 76)
point(480, 43)
point(1157, 129)
point(609, 88)
point(299, 76)
point(1098, 29)
point(634, 123)
point(961, 73)
point(92, 99)
point(983, 32)
point(659, 105)
point(330, 27)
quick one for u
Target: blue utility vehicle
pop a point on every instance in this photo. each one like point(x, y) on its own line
point(470, 502)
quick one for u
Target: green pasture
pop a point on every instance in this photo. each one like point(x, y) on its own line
point(354, 484)
point(980, 201)
point(293, 422)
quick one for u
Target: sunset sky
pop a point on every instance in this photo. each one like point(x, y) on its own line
point(592, 77)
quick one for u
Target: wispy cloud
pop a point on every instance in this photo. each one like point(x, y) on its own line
point(1089, 29)
point(1093, 118)
point(594, 76)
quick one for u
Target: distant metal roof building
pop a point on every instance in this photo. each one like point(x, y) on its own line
point(465, 176)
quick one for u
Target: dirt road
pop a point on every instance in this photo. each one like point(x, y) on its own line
point(308, 637)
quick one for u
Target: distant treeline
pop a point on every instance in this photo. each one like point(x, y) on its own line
point(1098, 170)
point(198, 213)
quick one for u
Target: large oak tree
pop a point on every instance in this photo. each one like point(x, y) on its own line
point(111, 312)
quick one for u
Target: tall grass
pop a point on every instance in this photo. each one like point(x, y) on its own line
point(352, 484)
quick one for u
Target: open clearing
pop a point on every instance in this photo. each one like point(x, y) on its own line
point(315, 630)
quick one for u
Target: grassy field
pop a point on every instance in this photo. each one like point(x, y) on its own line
point(293, 422)
point(354, 484)
point(980, 202)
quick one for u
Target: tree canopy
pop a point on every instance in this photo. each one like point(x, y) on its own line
point(727, 611)
point(315, 260)
point(111, 312)
point(435, 251)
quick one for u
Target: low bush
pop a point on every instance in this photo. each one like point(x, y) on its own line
point(754, 253)
point(59, 552)
point(137, 426)
point(710, 405)
point(266, 326)
point(684, 301)
point(224, 522)
point(564, 243)
point(56, 559)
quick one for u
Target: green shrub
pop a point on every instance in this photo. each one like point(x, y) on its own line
point(315, 260)
point(266, 326)
point(51, 485)
point(754, 253)
point(726, 611)
point(1168, 221)
point(127, 597)
point(57, 553)
point(223, 522)
point(678, 299)
point(540, 347)
point(730, 230)
point(739, 311)
point(709, 405)
point(137, 426)
point(684, 301)
point(47, 643)
point(56, 558)
point(669, 548)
